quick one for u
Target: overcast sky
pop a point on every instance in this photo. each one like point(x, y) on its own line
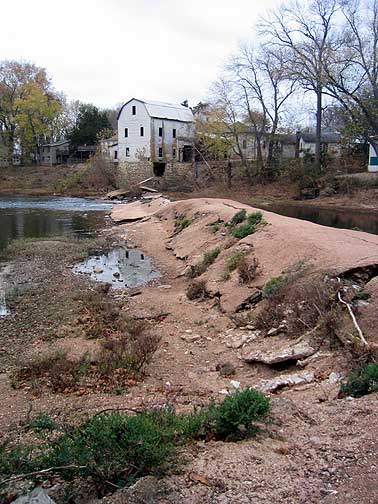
point(107, 51)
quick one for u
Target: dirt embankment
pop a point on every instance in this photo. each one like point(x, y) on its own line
point(48, 180)
point(318, 447)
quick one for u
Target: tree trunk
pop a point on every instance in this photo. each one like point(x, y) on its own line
point(229, 173)
point(318, 142)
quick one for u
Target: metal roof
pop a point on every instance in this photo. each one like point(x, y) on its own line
point(162, 110)
point(56, 144)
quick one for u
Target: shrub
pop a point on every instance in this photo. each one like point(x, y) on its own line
point(182, 222)
point(253, 220)
point(234, 417)
point(113, 449)
point(247, 271)
point(55, 370)
point(207, 260)
point(196, 290)
point(129, 347)
point(238, 218)
point(234, 262)
point(362, 381)
point(273, 286)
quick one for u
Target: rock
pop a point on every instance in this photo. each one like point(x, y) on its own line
point(116, 274)
point(137, 210)
point(309, 193)
point(273, 354)
point(224, 392)
point(98, 269)
point(225, 369)
point(191, 338)
point(37, 496)
point(165, 286)
point(118, 194)
point(335, 378)
point(286, 380)
point(282, 328)
point(313, 358)
point(239, 340)
point(235, 384)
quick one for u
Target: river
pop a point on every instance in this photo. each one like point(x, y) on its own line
point(339, 218)
point(43, 216)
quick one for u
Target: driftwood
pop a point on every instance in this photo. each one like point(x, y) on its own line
point(353, 317)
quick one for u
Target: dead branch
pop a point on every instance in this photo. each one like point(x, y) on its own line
point(42, 471)
point(352, 316)
point(152, 317)
point(131, 410)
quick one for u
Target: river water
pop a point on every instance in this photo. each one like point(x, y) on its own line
point(43, 216)
point(344, 219)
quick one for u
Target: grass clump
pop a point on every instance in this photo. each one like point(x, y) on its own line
point(238, 218)
point(253, 220)
point(113, 449)
point(274, 285)
point(362, 381)
point(233, 262)
point(207, 260)
point(182, 222)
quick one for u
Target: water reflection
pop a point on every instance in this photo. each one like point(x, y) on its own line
point(344, 219)
point(119, 267)
point(32, 217)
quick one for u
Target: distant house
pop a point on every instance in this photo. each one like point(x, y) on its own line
point(55, 153)
point(109, 148)
point(330, 143)
point(154, 131)
point(373, 160)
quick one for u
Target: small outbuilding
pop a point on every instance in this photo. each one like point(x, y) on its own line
point(373, 159)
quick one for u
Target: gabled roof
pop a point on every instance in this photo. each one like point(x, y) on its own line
point(162, 110)
point(325, 138)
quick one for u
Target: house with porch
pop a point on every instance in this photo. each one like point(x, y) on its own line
point(155, 131)
point(55, 153)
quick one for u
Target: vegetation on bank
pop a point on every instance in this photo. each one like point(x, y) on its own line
point(113, 449)
point(362, 381)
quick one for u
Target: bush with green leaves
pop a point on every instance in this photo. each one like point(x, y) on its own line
point(207, 260)
point(362, 381)
point(250, 227)
point(116, 448)
point(234, 417)
point(273, 286)
point(238, 218)
point(182, 222)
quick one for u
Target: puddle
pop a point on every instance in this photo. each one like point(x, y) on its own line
point(119, 266)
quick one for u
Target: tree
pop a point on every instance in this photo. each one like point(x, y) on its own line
point(227, 113)
point(308, 32)
point(28, 106)
point(352, 71)
point(265, 86)
point(90, 123)
point(36, 111)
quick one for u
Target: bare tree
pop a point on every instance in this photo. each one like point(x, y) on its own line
point(352, 72)
point(306, 31)
point(226, 118)
point(266, 85)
